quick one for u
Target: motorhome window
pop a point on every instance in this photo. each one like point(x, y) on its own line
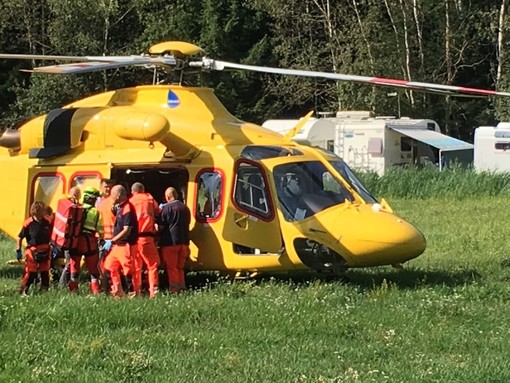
point(405, 144)
point(306, 188)
point(258, 152)
point(502, 145)
point(82, 181)
point(353, 181)
point(48, 188)
point(251, 192)
point(209, 196)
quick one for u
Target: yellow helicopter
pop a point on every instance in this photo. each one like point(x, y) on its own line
point(259, 201)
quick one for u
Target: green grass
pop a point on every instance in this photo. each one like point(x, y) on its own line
point(456, 182)
point(442, 319)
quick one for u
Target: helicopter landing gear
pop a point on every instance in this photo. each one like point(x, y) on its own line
point(319, 257)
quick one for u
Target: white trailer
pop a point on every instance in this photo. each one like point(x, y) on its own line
point(492, 147)
point(375, 144)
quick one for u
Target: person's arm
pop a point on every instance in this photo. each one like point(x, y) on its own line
point(156, 209)
point(99, 225)
point(124, 233)
point(128, 222)
point(20, 243)
point(22, 234)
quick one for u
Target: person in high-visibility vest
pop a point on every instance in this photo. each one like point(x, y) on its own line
point(105, 205)
point(122, 247)
point(173, 227)
point(146, 211)
point(36, 231)
point(91, 231)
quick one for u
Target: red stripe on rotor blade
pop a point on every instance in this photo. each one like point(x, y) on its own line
point(382, 80)
point(478, 91)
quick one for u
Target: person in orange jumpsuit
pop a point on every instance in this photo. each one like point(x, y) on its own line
point(36, 231)
point(174, 239)
point(122, 247)
point(146, 211)
point(105, 206)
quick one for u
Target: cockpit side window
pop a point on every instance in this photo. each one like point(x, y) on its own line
point(251, 193)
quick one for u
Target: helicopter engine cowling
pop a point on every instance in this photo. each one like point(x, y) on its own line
point(10, 139)
point(135, 125)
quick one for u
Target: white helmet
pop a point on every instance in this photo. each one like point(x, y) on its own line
point(294, 187)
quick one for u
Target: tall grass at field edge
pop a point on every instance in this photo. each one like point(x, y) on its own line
point(425, 183)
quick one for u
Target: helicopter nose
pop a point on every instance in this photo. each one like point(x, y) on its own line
point(379, 238)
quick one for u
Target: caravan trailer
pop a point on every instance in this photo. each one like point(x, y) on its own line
point(376, 144)
point(492, 147)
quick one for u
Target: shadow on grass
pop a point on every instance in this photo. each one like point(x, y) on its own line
point(412, 279)
point(363, 279)
point(11, 272)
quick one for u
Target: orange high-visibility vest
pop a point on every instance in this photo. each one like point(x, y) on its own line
point(67, 224)
point(146, 209)
point(105, 207)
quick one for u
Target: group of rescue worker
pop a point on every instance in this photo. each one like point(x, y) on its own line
point(118, 237)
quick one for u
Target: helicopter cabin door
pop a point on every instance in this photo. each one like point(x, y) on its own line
point(251, 223)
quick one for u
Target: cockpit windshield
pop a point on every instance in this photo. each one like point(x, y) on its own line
point(353, 181)
point(306, 188)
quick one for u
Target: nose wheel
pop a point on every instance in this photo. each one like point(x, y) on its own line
point(319, 257)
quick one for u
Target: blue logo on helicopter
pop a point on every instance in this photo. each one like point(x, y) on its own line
point(172, 100)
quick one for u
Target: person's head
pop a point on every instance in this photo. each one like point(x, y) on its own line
point(105, 187)
point(119, 193)
point(38, 210)
point(294, 187)
point(137, 187)
point(171, 194)
point(75, 193)
point(48, 214)
point(90, 195)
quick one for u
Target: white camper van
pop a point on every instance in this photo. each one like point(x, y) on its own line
point(375, 144)
point(492, 147)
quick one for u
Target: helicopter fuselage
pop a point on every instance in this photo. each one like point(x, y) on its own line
point(259, 201)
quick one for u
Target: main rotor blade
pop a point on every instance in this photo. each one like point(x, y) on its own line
point(421, 86)
point(41, 57)
point(94, 63)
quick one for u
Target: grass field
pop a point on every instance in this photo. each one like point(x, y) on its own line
point(444, 318)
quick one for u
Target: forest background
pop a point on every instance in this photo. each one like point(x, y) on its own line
point(461, 42)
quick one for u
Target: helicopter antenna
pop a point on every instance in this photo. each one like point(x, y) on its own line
point(155, 76)
point(181, 77)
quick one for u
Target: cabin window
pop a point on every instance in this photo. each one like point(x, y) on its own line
point(83, 180)
point(251, 191)
point(330, 145)
point(502, 145)
point(209, 196)
point(48, 188)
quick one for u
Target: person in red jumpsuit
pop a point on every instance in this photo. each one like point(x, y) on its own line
point(146, 211)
